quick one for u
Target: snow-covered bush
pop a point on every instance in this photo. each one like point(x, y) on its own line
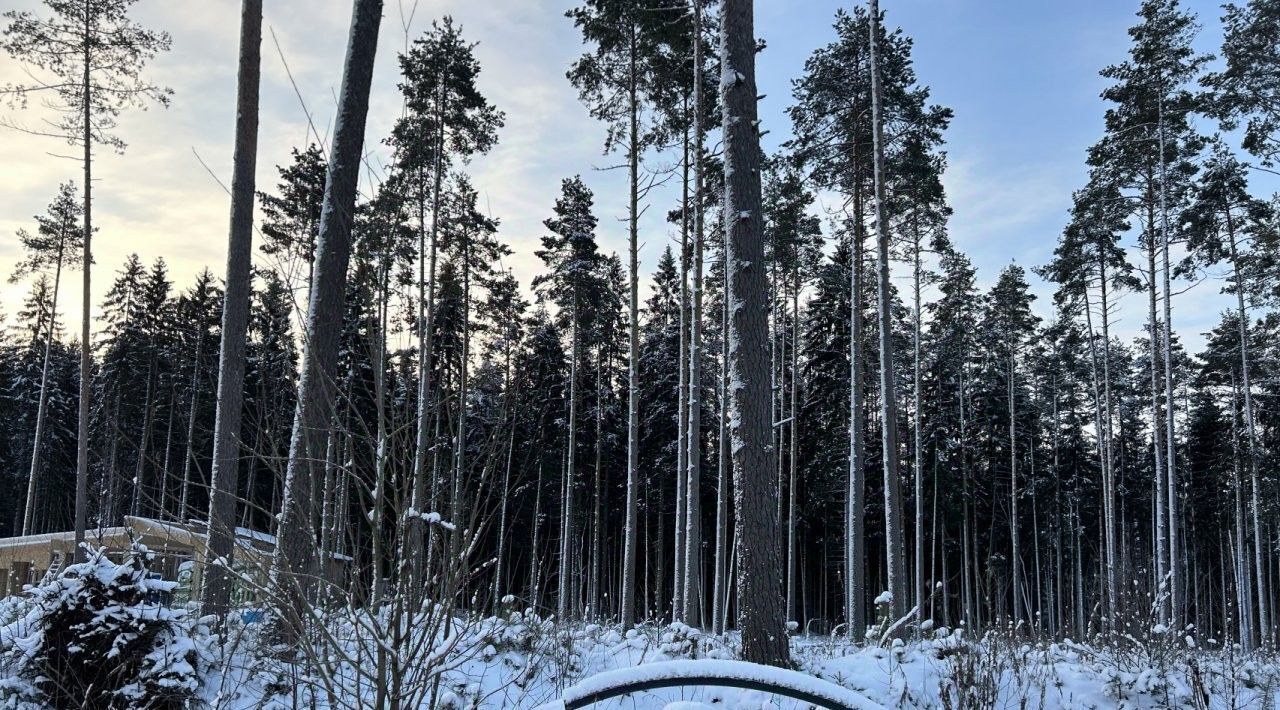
point(97, 636)
point(680, 641)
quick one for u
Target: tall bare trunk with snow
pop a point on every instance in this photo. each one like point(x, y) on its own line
point(1171, 487)
point(81, 513)
point(215, 592)
point(1100, 380)
point(894, 545)
point(458, 505)
point(564, 598)
point(1260, 553)
point(917, 458)
point(761, 616)
point(294, 565)
point(633, 338)
point(724, 462)
point(1015, 555)
point(855, 504)
point(424, 447)
point(1161, 522)
point(693, 508)
point(681, 522)
point(793, 445)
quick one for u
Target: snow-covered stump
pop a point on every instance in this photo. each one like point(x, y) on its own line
point(723, 673)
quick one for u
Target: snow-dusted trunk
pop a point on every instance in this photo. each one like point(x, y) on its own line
point(681, 522)
point(968, 573)
point(339, 451)
point(776, 410)
point(424, 444)
point(935, 542)
point(1108, 451)
point(378, 357)
point(855, 543)
point(1015, 555)
point(329, 501)
point(693, 456)
point(86, 344)
point(1240, 545)
point(894, 545)
point(1171, 467)
point(458, 507)
point(535, 566)
point(1100, 382)
point(724, 477)
point(564, 598)
point(509, 418)
point(1259, 542)
point(761, 616)
point(793, 454)
point(720, 600)
point(1056, 625)
point(917, 458)
point(294, 564)
point(633, 340)
point(1162, 550)
point(28, 515)
point(597, 498)
point(216, 590)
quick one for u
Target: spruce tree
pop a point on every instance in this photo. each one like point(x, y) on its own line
point(225, 476)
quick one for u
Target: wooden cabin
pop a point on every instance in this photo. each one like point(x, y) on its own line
point(179, 550)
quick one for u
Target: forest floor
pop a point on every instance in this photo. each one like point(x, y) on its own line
point(523, 662)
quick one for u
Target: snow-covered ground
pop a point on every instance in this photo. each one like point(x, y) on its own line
point(351, 659)
point(524, 662)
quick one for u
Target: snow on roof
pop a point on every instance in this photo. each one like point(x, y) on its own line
point(191, 529)
point(202, 526)
point(67, 536)
point(712, 672)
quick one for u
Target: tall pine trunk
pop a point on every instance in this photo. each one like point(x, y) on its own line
point(86, 344)
point(1158, 451)
point(564, 598)
point(855, 504)
point(1015, 554)
point(215, 593)
point(1175, 561)
point(761, 616)
point(793, 567)
point(294, 566)
point(693, 456)
point(895, 548)
point(1259, 542)
point(633, 339)
point(917, 443)
point(724, 463)
point(679, 549)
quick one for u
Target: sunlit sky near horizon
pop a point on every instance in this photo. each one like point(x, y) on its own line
point(1021, 77)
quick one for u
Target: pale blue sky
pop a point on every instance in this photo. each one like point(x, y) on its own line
point(1021, 77)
